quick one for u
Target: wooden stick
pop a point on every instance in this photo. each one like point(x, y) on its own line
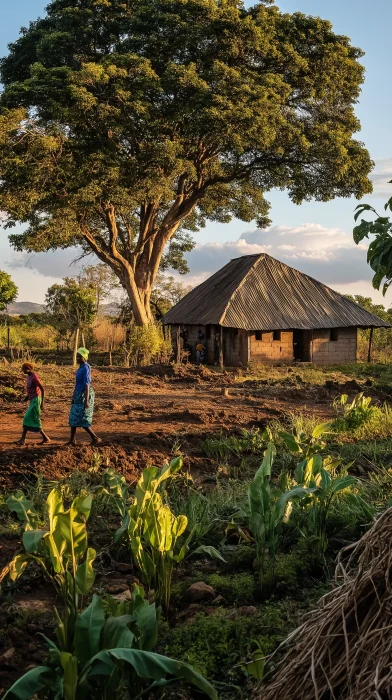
point(369, 358)
point(221, 348)
point(178, 346)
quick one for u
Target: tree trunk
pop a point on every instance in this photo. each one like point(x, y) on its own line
point(75, 350)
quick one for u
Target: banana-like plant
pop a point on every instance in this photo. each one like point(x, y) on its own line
point(307, 445)
point(268, 508)
point(62, 552)
point(151, 529)
point(106, 656)
point(323, 481)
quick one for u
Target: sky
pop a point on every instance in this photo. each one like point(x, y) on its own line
point(315, 238)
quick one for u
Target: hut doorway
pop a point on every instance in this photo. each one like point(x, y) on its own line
point(300, 346)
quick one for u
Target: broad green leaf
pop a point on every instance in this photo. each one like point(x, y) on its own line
point(325, 480)
point(88, 630)
point(321, 429)
point(116, 633)
point(146, 618)
point(290, 442)
point(85, 574)
point(16, 567)
point(69, 664)
point(55, 506)
point(149, 665)
point(207, 550)
point(32, 539)
point(343, 483)
point(23, 507)
point(31, 683)
point(81, 505)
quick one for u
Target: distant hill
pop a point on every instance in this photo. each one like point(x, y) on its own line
point(29, 307)
point(25, 307)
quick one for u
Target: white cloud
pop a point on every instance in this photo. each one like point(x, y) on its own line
point(381, 176)
point(328, 254)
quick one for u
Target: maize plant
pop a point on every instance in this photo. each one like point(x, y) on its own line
point(107, 656)
point(62, 552)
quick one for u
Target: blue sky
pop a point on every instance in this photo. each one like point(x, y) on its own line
point(314, 237)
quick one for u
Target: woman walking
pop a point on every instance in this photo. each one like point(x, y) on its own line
point(35, 396)
point(82, 408)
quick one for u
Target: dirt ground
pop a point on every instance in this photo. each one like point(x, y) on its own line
point(143, 415)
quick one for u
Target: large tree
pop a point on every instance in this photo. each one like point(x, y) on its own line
point(124, 126)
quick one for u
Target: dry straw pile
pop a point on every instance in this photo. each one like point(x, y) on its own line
point(343, 651)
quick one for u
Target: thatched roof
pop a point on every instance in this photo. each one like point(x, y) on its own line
point(257, 292)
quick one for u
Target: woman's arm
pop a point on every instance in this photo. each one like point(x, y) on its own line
point(39, 385)
point(87, 399)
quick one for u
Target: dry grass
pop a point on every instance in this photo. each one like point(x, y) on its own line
point(343, 650)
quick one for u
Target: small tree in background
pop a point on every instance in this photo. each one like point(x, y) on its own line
point(102, 280)
point(381, 337)
point(70, 307)
point(8, 290)
point(167, 292)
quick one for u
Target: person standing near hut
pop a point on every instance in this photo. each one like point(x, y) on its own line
point(82, 407)
point(35, 395)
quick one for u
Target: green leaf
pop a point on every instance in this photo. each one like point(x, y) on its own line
point(116, 633)
point(31, 683)
point(82, 506)
point(23, 507)
point(32, 539)
point(343, 482)
point(146, 618)
point(69, 664)
point(149, 665)
point(85, 575)
point(290, 442)
point(16, 567)
point(88, 630)
point(321, 429)
point(207, 550)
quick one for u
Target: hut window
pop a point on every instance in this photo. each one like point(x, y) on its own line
point(235, 332)
point(333, 334)
point(259, 335)
point(208, 332)
point(276, 335)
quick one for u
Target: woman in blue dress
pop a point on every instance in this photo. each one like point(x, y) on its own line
point(82, 408)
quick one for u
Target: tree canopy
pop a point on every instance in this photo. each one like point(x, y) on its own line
point(8, 290)
point(124, 126)
point(70, 306)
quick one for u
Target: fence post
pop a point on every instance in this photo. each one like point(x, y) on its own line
point(369, 358)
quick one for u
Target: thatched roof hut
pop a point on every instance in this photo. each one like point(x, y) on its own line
point(281, 313)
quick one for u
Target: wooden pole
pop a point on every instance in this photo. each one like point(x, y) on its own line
point(178, 345)
point(369, 358)
point(75, 350)
point(221, 347)
point(311, 347)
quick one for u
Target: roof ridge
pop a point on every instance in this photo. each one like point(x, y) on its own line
point(240, 285)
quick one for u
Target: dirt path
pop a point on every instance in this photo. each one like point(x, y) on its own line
point(140, 418)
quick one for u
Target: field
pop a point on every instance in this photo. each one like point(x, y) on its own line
point(228, 607)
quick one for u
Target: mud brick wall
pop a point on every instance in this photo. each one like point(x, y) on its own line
point(342, 351)
point(269, 351)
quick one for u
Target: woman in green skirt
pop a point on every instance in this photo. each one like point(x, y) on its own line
point(35, 396)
